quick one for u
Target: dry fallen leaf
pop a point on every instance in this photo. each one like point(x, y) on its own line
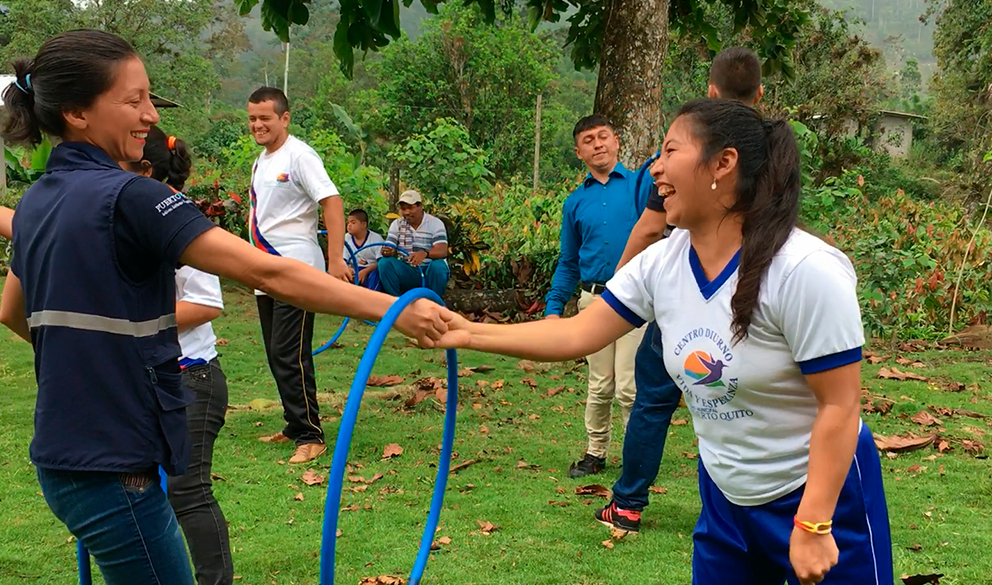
point(943, 446)
point(530, 382)
point(463, 465)
point(298, 496)
point(310, 477)
point(973, 447)
point(926, 419)
point(221, 341)
point(487, 527)
point(608, 543)
point(351, 508)
point(497, 385)
point(911, 363)
point(933, 579)
point(593, 490)
point(553, 391)
point(678, 422)
point(875, 404)
point(391, 450)
point(897, 443)
point(657, 490)
point(896, 374)
point(534, 416)
point(383, 580)
point(338, 533)
point(524, 465)
point(382, 381)
point(417, 398)
point(876, 359)
point(441, 394)
point(915, 468)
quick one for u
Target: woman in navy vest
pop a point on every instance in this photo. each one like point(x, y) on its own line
point(198, 302)
point(92, 287)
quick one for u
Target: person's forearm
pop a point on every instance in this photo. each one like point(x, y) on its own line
point(6, 223)
point(191, 315)
point(12, 311)
point(831, 451)
point(650, 228)
point(562, 288)
point(438, 252)
point(334, 220)
point(553, 340)
point(218, 252)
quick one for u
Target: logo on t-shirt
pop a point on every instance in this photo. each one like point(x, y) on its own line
point(282, 178)
point(706, 378)
point(704, 369)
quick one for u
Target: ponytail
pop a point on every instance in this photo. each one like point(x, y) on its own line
point(21, 125)
point(768, 184)
point(169, 158)
point(768, 220)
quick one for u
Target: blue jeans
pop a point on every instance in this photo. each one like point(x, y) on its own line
point(644, 442)
point(127, 526)
point(397, 276)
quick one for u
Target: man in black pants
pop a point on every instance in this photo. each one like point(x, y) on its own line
point(289, 186)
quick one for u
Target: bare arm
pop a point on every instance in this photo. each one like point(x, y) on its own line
point(546, 340)
point(190, 315)
point(438, 251)
point(6, 223)
point(333, 209)
point(12, 312)
point(650, 228)
point(218, 252)
point(831, 451)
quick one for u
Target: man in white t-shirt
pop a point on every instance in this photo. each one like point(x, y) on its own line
point(358, 236)
point(425, 239)
point(289, 187)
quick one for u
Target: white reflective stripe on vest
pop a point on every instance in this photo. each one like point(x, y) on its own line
point(103, 324)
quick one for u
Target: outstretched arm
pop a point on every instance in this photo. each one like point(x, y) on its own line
point(550, 340)
point(6, 223)
point(218, 252)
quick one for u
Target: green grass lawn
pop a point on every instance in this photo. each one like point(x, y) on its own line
point(940, 505)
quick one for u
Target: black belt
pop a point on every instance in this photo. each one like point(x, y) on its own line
point(593, 288)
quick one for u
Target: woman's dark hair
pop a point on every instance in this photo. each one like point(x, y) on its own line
point(69, 72)
point(170, 159)
point(768, 183)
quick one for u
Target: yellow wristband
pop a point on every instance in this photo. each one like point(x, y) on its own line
point(814, 527)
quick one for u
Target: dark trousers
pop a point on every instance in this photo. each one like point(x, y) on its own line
point(644, 442)
point(125, 522)
point(288, 336)
point(191, 495)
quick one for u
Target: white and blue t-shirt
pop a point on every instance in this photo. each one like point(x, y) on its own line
point(752, 408)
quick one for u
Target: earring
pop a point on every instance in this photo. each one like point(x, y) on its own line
point(713, 186)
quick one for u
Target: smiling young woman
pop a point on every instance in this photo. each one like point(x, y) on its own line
point(762, 333)
point(92, 287)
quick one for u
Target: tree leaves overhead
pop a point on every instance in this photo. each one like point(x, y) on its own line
point(371, 24)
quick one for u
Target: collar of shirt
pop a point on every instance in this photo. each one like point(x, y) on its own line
point(618, 172)
point(80, 155)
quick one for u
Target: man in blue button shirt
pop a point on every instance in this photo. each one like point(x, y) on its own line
point(597, 218)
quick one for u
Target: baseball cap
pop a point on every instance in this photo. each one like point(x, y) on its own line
point(410, 197)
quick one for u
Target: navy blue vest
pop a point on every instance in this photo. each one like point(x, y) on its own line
point(106, 349)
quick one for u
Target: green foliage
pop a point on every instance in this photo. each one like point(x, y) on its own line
point(25, 165)
point(370, 25)
point(443, 165)
point(486, 77)
point(906, 253)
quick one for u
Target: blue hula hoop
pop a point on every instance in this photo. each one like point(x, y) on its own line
point(83, 556)
point(332, 505)
point(353, 260)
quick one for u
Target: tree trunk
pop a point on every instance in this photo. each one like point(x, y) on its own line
point(394, 187)
point(635, 44)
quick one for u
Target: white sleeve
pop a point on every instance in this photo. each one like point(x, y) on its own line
point(202, 288)
point(631, 290)
point(311, 176)
point(819, 313)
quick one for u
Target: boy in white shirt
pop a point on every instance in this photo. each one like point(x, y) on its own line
point(289, 186)
point(762, 332)
point(359, 235)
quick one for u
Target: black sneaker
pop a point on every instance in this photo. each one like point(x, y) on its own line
point(589, 465)
point(614, 517)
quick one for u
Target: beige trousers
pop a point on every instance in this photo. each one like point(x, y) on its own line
point(611, 373)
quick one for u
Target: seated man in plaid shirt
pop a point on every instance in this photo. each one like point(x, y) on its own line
point(425, 238)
